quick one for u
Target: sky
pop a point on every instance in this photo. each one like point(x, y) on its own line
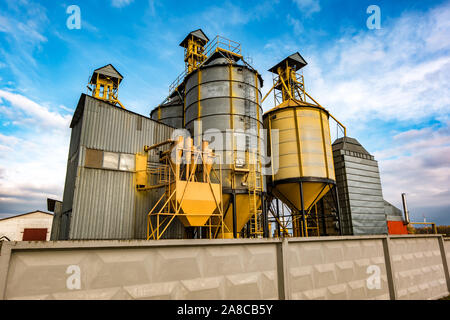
point(389, 86)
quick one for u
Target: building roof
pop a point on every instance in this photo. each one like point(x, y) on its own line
point(294, 60)
point(24, 214)
point(391, 210)
point(198, 34)
point(109, 71)
point(82, 102)
point(350, 144)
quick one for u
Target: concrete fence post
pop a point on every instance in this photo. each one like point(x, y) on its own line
point(390, 273)
point(444, 261)
point(284, 291)
point(5, 256)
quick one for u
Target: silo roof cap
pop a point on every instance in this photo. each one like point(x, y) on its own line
point(198, 34)
point(350, 144)
point(294, 60)
point(108, 71)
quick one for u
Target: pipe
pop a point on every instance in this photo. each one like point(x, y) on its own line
point(305, 230)
point(148, 148)
point(278, 218)
point(234, 215)
point(265, 217)
point(405, 209)
point(338, 211)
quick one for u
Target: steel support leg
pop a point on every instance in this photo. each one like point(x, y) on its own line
point(234, 216)
point(303, 210)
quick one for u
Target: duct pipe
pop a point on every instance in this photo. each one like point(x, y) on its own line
point(405, 208)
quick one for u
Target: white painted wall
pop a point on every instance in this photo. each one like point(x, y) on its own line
point(13, 227)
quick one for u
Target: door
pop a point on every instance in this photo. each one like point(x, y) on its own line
point(35, 234)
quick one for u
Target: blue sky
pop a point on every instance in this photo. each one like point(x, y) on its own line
point(391, 87)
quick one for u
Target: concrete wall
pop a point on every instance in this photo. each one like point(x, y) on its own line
point(13, 227)
point(312, 268)
point(419, 268)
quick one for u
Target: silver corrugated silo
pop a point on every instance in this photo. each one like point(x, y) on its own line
point(225, 96)
point(170, 113)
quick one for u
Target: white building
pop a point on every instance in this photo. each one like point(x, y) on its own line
point(32, 226)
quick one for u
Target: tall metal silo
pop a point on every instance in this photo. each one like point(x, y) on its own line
point(170, 112)
point(225, 96)
point(306, 170)
point(221, 92)
point(221, 103)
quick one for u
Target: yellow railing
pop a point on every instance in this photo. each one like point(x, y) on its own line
point(219, 43)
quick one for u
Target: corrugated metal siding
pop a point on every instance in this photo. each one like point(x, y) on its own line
point(72, 164)
point(360, 193)
point(392, 213)
point(104, 204)
point(113, 129)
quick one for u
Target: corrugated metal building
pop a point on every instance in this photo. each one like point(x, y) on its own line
point(359, 186)
point(100, 199)
point(392, 212)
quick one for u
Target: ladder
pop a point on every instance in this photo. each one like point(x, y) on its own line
point(254, 184)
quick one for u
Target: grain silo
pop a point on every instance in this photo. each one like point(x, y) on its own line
point(305, 172)
point(224, 95)
point(221, 94)
point(170, 112)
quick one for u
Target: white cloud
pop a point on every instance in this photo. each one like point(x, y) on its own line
point(24, 26)
point(308, 7)
point(398, 75)
point(296, 25)
point(33, 159)
point(26, 110)
point(219, 18)
point(418, 164)
point(121, 3)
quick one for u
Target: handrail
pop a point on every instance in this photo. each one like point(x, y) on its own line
point(218, 42)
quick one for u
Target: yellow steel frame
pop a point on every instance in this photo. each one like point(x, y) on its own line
point(168, 174)
point(290, 86)
point(105, 89)
point(196, 57)
point(194, 54)
point(433, 225)
point(293, 88)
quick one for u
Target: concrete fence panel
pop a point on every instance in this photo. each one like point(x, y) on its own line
point(447, 250)
point(418, 268)
point(337, 269)
point(361, 267)
point(137, 270)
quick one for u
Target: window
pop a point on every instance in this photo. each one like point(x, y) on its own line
point(93, 158)
point(110, 160)
point(98, 159)
point(127, 162)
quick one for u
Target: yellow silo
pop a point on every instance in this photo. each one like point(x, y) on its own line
point(305, 170)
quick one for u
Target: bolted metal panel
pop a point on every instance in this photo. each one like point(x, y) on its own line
point(100, 203)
